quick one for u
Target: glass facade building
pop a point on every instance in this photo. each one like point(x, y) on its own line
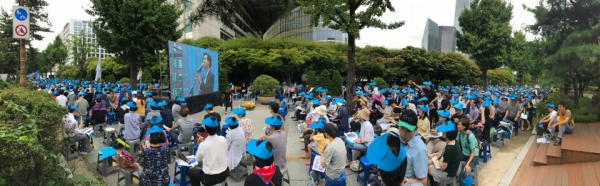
point(431, 36)
point(75, 27)
point(296, 25)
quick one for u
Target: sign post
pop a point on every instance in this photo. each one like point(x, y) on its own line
point(21, 31)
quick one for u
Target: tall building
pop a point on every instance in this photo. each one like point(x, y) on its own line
point(447, 39)
point(296, 25)
point(74, 27)
point(431, 36)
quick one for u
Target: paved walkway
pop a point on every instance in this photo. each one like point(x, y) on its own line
point(297, 170)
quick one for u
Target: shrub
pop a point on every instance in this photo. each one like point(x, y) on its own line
point(419, 79)
point(125, 80)
point(31, 137)
point(223, 80)
point(380, 83)
point(110, 78)
point(336, 83)
point(311, 79)
point(446, 83)
point(5, 85)
point(586, 115)
point(586, 112)
point(325, 79)
point(266, 85)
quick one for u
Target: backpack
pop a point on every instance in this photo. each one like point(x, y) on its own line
point(469, 141)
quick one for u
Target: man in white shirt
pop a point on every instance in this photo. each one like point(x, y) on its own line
point(236, 143)
point(549, 119)
point(73, 129)
point(62, 99)
point(212, 155)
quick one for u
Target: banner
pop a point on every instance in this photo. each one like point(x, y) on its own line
point(194, 71)
point(98, 70)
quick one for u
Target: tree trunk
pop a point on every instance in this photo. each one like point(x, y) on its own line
point(484, 77)
point(133, 73)
point(575, 89)
point(351, 76)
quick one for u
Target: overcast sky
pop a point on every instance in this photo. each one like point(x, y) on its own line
point(413, 12)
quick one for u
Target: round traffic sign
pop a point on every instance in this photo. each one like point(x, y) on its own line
point(21, 30)
point(21, 14)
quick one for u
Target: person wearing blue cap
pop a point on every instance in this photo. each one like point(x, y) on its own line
point(513, 111)
point(487, 118)
point(74, 130)
point(278, 138)
point(98, 114)
point(71, 97)
point(61, 99)
point(211, 113)
point(152, 114)
point(448, 160)
point(212, 155)
point(122, 110)
point(265, 172)
point(236, 143)
point(183, 128)
point(458, 113)
point(148, 100)
point(244, 122)
point(177, 107)
point(133, 121)
point(389, 154)
point(341, 117)
point(155, 159)
point(166, 114)
point(82, 106)
point(546, 120)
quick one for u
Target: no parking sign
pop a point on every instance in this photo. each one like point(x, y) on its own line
point(21, 22)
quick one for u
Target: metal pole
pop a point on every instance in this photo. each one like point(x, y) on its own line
point(22, 78)
point(159, 77)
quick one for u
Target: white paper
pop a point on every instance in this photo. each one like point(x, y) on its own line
point(543, 141)
point(317, 164)
point(192, 159)
point(385, 126)
point(523, 116)
point(351, 136)
point(87, 130)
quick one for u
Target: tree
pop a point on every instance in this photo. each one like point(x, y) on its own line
point(68, 72)
point(56, 52)
point(110, 66)
point(380, 83)
point(417, 60)
point(9, 47)
point(135, 30)
point(419, 79)
point(36, 61)
point(520, 57)
point(247, 61)
point(456, 66)
point(336, 83)
point(486, 34)
point(325, 79)
point(344, 16)
point(211, 43)
point(311, 79)
point(287, 60)
point(80, 48)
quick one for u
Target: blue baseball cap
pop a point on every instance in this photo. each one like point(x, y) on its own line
point(486, 103)
point(131, 105)
point(239, 111)
point(81, 94)
point(207, 106)
point(162, 103)
point(210, 122)
point(124, 99)
point(273, 121)
point(423, 99)
point(459, 106)
point(231, 121)
point(73, 107)
point(258, 148)
point(180, 99)
point(443, 113)
point(153, 104)
point(446, 127)
point(340, 101)
point(156, 120)
point(550, 105)
point(154, 129)
point(380, 154)
point(424, 108)
point(315, 102)
point(149, 94)
point(318, 125)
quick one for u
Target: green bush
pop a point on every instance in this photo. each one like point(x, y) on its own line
point(336, 83)
point(311, 79)
point(266, 85)
point(419, 79)
point(586, 112)
point(5, 85)
point(325, 79)
point(110, 78)
point(31, 138)
point(446, 83)
point(223, 80)
point(380, 83)
point(124, 80)
point(586, 115)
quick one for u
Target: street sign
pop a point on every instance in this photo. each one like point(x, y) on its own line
point(21, 25)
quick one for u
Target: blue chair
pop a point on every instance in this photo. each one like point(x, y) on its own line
point(341, 181)
point(485, 152)
point(182, 173)
point(364, 162)
point(224, 130)
point(112, 118)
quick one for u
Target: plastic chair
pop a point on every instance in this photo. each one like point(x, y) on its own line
point(286, 175)
point(97, 129)
point(485, 152)
point(71, 151)
point(105, 160)
point(112, 118)
point(182, 173)
point(238, 172)
point(132, 145)
point(341, 181)
point(364, 162)
point(109, 132)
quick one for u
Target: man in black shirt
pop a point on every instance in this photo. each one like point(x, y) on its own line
point(458, 113)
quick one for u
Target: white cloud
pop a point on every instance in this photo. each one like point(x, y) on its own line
point(59, 13)
point(415, 14)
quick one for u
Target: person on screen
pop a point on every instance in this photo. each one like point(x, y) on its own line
point(207, 79)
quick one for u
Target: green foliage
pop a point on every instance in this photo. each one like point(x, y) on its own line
point(380, 83)
point(411, 77)
point(325, 80)
point(500, 76)
point(223, 80)
point(418, 79)
point(446, 83)
point(110, 78)
point(68, 72)
point(165, 80)
point(311, 79)
point(266, 85)
point(336, 83)
point(9, 55)
point(110, 66)
point(124, 80)
point(80, 48)
point(156, 23)
point(55, 54)
point(486, 33)
point(5, 85)
point(82, 180)
point(426, 78)
point(211, 43)
point(288, 60)
point(31, 134)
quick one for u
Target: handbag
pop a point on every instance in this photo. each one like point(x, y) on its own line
point(126, 161)
point(468, 180)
